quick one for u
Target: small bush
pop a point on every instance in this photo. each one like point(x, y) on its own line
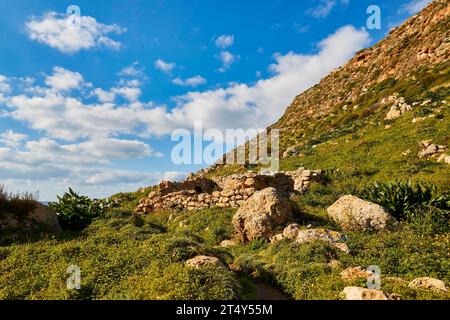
point(403, 199)
point(75, 212)
point(18, 204)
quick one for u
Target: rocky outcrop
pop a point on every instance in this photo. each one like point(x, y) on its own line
point(300, 236)
point(261, 214)
point(225, 192)
point(398, 108)
point(336, 239)
point(433, 151)
point(353, 213)
point(421, 41)
point(357, 293)
point(40, 217)
point(428, 283)
point(204, 261)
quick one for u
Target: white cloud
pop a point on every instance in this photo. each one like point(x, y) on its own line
point(235, 106)
point(12, 139)
point(227, 59)
point(104, 96)
point(107, 177)
point(164, 66)
point(63, 80)
point(414, 6)
point(260, 50)
point(56, 31)
point(257, 106)
point(323, 9)
point(224, 41)
point(4, 86)
point(190, 82)
point(133, 70)
point(130, 93)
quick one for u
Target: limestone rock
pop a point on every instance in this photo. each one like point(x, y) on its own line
point(445, 158)
point(353, 213)
point(261, 214)
point(291, 231)
point(428, 283)
point(228, 243)
point(202, 261)
point(357, 293)
point(333, 237)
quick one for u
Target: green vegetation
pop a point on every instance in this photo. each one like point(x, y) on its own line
point(404, 199)
point(76, 212)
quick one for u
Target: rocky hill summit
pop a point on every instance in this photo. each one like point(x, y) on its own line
point(423, 40)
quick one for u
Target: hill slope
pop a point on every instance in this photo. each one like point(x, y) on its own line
point(360, 125)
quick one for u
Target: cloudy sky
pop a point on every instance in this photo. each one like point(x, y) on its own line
point(93, 105)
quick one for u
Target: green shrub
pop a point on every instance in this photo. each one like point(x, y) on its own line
point(76, 212)
point(403, 199)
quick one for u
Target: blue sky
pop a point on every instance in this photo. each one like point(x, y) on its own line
point(94, 108)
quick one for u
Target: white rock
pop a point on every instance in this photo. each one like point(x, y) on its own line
point(353, 213)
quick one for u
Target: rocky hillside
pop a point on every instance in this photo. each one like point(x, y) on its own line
point(423, 40)
point(364, 182)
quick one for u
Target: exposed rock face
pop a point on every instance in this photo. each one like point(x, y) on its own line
point(40, 217)
point(354, 273)
point(428, 284)
point(202, 261)
point(357, 293)
point(261, 214)
point(224, 192)
point(353, 213)
point(421, 40)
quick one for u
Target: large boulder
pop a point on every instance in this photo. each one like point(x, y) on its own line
point(261, 214)
point(40, 217)
point(353, 213)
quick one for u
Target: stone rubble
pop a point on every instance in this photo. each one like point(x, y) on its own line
point(433, 151)
point(224, 192)
point(398, 108)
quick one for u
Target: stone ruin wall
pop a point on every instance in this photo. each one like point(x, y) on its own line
point(224, 192)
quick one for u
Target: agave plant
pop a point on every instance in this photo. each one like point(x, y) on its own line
point(403, 198)
point(76, 212)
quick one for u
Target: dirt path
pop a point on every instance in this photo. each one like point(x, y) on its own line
point(264, 291)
